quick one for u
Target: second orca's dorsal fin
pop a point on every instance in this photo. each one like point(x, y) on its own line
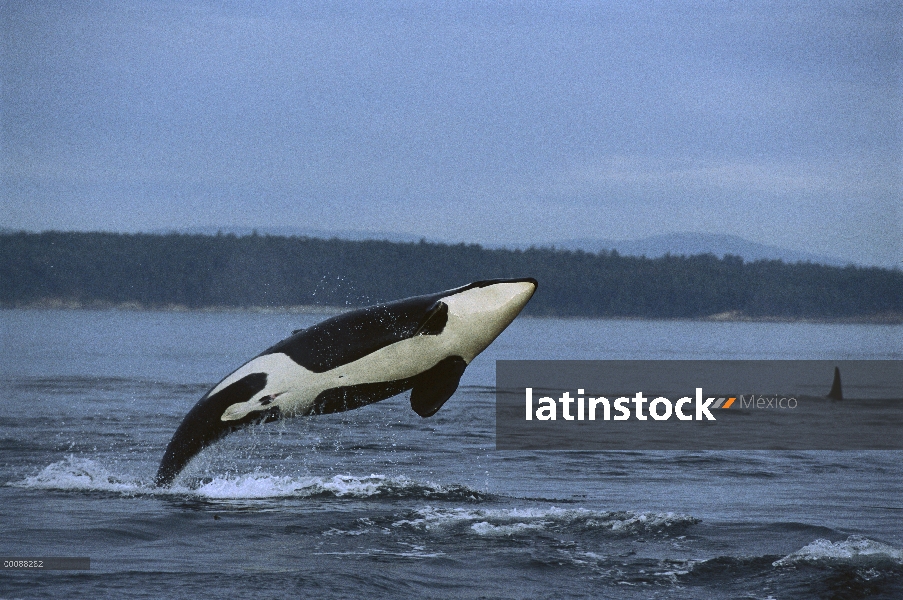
point(434, 386)
point(836, 392)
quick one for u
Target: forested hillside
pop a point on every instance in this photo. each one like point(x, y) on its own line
point(198, 271)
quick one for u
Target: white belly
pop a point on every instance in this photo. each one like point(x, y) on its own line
point(295, 388)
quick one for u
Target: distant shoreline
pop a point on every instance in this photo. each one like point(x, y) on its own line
point(726, 317)
point(262, 273)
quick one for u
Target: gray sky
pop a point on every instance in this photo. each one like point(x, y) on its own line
point(479, 122)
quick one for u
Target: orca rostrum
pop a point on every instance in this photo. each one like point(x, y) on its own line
point(422, 344)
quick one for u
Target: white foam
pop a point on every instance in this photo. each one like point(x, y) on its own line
point(855, 550)
point(264, 485)
point(487, 529)
point(84, 474)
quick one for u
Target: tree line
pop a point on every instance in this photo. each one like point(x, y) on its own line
point(200, 271)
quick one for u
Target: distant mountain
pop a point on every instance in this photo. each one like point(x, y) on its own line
point(689, 244)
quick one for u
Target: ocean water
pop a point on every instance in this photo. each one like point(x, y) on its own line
point(378, 502)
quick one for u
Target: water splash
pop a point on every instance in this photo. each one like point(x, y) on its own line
point(85, 474)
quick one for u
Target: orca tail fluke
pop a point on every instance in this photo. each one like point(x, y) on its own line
point(836, 392)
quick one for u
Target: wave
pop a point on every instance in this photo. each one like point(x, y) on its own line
point(846, 562)
point(84, 474)
point(515, 521)
point(856, 550)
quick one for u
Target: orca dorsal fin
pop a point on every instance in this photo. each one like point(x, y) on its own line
point(436, 385)
point(836, 392)
point(435, 319)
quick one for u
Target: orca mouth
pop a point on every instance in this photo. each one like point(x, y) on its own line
point(503, 299)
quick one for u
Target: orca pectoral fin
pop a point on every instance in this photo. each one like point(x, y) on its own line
point(433, 387)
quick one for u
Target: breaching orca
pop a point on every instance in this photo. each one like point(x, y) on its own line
point(422, 344)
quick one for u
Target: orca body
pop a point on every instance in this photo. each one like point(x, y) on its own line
point(422, 344)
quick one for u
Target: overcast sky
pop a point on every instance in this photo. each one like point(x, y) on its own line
point(481, 122)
